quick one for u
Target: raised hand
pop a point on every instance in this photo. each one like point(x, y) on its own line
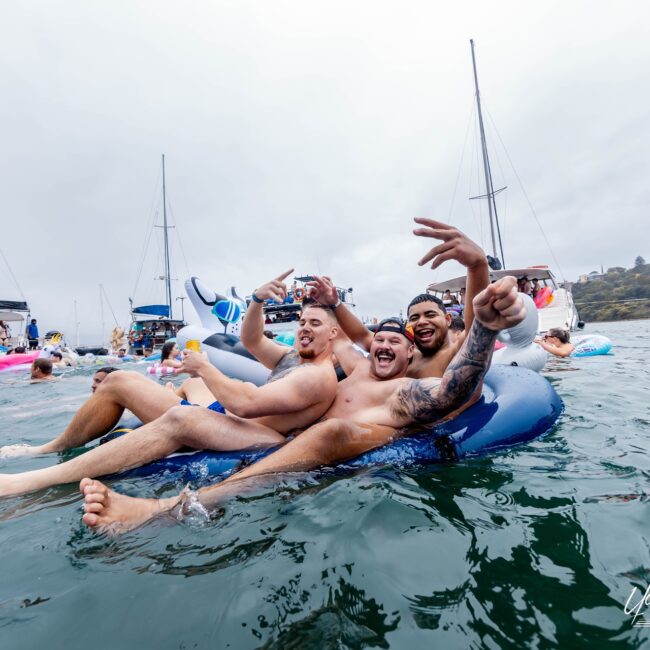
point(276, 289)
point(500, 306)
point(322, 290)
point(455, 245)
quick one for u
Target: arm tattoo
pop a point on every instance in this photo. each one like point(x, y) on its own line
point(426, 400)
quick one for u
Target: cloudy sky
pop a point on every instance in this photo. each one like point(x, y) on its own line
point(309, 134)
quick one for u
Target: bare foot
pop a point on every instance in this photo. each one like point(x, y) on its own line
point(16, 451)
point(111, 513)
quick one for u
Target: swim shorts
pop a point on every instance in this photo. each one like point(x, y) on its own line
point(215, 406)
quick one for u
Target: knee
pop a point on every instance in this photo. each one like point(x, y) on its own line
point(175, 422)
point(176, 416)
point(117, 381)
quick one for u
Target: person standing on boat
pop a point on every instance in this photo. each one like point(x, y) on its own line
point(4, 333)
point(32, 335)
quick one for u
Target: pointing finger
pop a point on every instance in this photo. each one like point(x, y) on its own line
point(282, 276)
point(432, 223)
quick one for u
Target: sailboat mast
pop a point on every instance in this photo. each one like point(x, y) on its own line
point(168, 276)
point(489, 187)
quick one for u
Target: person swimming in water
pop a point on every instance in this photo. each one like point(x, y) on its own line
point(556, 341)
point(169, 354)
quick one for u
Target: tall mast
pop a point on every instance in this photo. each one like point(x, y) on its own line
point(489, 187)
point(168, 276)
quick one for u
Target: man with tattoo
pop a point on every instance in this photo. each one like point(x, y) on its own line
point(435, 345)
point(373, 405)
point(149, 400)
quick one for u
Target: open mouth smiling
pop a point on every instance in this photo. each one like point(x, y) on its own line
point(384, 357)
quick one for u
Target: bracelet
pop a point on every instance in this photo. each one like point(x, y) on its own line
point(335, 305)
point(256, 299)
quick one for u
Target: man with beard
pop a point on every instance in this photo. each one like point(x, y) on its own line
point(373, 405)
point(426, 314)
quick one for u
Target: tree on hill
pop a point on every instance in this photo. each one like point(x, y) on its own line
point(639, 261)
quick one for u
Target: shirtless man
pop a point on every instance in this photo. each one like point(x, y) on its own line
point(372, 406)
point(435, 345)
point(149, 400)
point(302, 389)
point(41, 371)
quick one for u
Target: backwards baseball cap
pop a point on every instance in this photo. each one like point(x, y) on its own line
point(396, 325)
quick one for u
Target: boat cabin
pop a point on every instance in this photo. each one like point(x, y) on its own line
point(15, 313)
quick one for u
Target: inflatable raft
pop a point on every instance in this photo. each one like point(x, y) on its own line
point(590, 345)
point(517, 406)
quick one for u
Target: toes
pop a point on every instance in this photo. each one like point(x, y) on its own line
point(93, 508)
point(94, 497)
point(88, 486)
point(85, 482)
point(90, 519)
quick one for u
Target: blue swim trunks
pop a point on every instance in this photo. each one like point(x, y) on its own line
point(215, 406)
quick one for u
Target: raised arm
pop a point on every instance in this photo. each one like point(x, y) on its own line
point(459, 247)
point(266, 351)
point(323, 290)
point(422, 401)
point(297, 391)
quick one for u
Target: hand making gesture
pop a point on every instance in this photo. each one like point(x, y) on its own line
point(455, 245)
point(276, 289)
point(500, 306)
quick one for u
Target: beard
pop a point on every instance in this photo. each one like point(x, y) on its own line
point(433, 347)
point(307, 354)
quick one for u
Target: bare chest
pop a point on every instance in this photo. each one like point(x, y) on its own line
point(361, 394)
point(435, 366)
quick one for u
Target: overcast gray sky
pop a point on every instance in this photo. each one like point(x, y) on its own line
point(309, 134)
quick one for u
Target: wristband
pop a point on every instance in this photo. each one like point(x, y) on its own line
point(335, 305)
point(256, 299)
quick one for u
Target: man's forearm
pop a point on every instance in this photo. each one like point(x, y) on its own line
point(235, 396)
point(253, 325)
point(352, 327)
point(478, 277)
point(425, 400)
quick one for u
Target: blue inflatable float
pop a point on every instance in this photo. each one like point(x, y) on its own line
point(590, 345)
point(517, 406)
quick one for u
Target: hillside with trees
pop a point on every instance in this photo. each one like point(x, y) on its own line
point(619, 294)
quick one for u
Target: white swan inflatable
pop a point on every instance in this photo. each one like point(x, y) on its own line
point(221, 318)
point(520, 349)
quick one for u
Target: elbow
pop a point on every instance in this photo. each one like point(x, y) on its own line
point(245, 409)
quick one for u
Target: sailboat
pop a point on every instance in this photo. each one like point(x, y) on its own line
point(152, 325)
point(559, 310)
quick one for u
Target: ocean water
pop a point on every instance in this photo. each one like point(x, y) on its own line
point(536, 547)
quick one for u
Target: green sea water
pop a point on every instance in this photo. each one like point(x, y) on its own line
point(536, 547)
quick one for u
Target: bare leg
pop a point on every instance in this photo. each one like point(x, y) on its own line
point(120, 390)
point(179, 427)
point(324, 443)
